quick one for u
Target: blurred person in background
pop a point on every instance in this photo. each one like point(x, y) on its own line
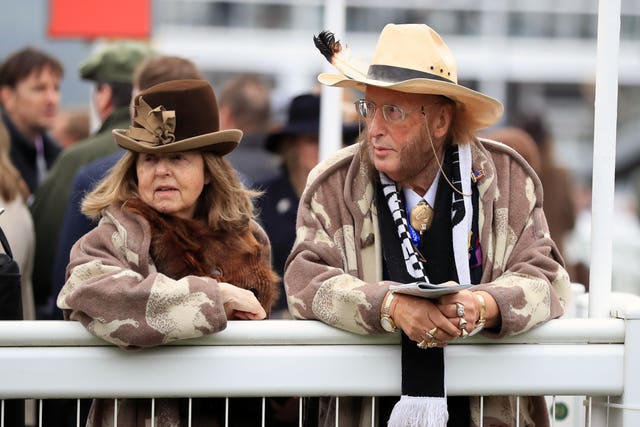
point(557, 182)
point(16, 222)
point(520, 141)
point(30, 97)
point(71, 125)
point(625, 235)
point(296, 143)
point(150, 72)
point(245, 104)
point(177, 252)
point(17, 226)
point(110, 70)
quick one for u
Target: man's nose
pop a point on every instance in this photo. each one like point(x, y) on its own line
point(376, 124)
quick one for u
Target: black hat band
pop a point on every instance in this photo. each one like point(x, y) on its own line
point(389, 73)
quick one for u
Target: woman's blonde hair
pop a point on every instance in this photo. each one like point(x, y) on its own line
point(11, 182)
point(225, 203)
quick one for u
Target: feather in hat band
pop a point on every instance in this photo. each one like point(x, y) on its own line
point(389, 73)
point(158, 124)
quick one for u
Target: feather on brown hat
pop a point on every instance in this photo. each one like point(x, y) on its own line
point(178, 115)
point(409, 58)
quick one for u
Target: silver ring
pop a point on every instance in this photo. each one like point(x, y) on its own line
point(459, 310)
point(465, 333)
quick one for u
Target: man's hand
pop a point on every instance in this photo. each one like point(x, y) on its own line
point(418, 317)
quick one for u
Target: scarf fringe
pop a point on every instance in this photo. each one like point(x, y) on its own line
point(412, 411)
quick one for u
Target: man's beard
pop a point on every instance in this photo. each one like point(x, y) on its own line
point(415, 156)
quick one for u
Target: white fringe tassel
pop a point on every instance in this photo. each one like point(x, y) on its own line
point(412, 411)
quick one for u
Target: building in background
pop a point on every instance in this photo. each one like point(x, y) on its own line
point(536, 56)
point(532, 55)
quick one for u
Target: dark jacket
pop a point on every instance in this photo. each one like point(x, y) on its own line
point(277, 210)
point(23, 153)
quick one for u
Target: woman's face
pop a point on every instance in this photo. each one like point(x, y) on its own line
point(171, 183)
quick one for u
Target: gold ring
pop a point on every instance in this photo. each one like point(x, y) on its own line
point(464, 333)
point(459, 309)
point(423, 344)
point(463, 323)
point(432, 343)
point(431, 333)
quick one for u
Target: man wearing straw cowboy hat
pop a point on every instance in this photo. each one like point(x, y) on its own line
point(421, 200)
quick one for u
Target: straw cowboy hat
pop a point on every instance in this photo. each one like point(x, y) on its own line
point(178, 115)
point(409, 58)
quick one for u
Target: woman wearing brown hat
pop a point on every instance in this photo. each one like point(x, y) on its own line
point(421, 201)
point(176, 253)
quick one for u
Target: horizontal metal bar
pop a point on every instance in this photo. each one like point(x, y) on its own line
point(297, 332)
point(302, 370)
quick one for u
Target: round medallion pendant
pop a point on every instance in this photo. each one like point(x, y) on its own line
point(421, 217)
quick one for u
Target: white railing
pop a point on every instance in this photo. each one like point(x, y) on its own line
point(590, 357)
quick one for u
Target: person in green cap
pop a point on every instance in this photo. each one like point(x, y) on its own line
point(110, 70)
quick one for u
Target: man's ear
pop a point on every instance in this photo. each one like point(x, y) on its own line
point(104, 101)
point(7, 96)
point(442, 120)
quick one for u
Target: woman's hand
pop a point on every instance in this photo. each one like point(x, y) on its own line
point(240, 303)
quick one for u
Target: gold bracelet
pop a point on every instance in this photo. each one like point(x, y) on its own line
point(482, 319)
point(386, 321)
point(483, 309)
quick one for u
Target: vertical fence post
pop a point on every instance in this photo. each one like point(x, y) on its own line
point(604, 150)
point(631, 394)
point(629, 414)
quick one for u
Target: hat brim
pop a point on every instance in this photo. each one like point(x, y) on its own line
point(220, 143)
point(272, 142)
point(304, 128)
point(485, 111)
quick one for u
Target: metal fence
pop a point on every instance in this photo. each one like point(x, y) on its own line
point(595, 358)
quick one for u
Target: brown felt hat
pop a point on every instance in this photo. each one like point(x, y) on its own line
point(178, 115)
point(413, 58)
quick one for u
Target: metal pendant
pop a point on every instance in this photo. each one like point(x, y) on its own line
point(421, 217)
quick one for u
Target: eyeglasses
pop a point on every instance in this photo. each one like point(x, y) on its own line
point(391, 113)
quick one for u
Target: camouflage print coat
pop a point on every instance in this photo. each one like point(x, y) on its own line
point(114, 289)
point(334, 272)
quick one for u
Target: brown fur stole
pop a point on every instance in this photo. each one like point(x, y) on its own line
point(182, 247)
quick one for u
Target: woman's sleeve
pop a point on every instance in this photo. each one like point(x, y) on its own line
point(107, 292)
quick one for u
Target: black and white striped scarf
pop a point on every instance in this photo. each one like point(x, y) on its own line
point(429, 408)
point(461, 217)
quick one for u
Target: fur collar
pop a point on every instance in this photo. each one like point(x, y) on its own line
point(182, 247)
